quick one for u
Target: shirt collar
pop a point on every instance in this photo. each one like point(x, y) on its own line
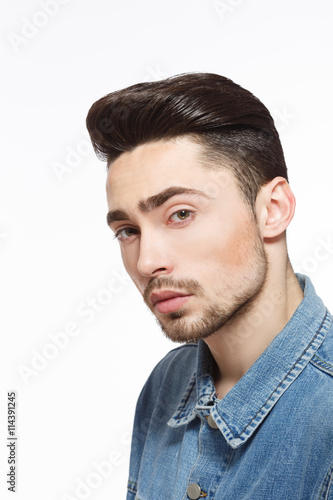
point(238, 415)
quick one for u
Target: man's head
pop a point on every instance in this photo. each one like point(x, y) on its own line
point(229, 122)
point(196, 181)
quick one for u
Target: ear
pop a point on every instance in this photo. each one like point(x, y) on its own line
point(275, 207)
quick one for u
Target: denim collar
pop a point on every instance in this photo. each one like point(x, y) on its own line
point(246, 405)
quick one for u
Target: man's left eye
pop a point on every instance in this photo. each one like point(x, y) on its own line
point(181, 214)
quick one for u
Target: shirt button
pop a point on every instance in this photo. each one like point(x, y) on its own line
point(211, 422)
point(194, 491)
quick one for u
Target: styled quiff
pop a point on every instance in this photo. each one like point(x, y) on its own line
point(234, 128)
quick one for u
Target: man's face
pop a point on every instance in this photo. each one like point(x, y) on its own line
point(196, 257)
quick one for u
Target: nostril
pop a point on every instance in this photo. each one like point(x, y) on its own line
point(161, 269)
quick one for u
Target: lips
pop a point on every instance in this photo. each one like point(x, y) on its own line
point(158, 296)
point(168, 301)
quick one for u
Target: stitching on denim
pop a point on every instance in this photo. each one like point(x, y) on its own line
point(324, 362)
point(132, 486)
point(329, 486)
point(187, 398)
point(291, 369)
point(326, 485)
point(199, 453)
point(328, 365)
point(186, 414)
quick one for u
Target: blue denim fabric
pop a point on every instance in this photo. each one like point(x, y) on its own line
point(274, 435)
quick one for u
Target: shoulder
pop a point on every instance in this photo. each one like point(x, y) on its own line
point(170, 377)
point(165, 386)
point(320, 385)
point(179, 362)
point(323, 358)
point(184, 351)
point(159, 398)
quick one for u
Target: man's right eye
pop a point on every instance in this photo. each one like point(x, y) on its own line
point(125, 233)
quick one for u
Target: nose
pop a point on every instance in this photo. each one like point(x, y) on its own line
point(154, 258)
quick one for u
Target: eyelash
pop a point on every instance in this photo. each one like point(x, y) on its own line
point(191, 212)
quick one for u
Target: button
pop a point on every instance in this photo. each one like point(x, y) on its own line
point(211, 422)
point(194, 491)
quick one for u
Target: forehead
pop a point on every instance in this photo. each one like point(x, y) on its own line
point(151, 166)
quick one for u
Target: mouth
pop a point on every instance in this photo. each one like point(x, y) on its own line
point(168, 301)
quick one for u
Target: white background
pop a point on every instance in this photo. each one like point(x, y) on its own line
point(75, 411)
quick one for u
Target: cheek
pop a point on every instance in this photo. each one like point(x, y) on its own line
point(234, 247)
point(128, 261)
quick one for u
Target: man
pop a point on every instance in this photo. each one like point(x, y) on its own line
point(199, 201)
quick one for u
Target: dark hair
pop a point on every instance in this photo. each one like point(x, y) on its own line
point(235, 129)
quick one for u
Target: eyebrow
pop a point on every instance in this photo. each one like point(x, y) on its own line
point(153, 202)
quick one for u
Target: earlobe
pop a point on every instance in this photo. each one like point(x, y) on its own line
point(276, 203)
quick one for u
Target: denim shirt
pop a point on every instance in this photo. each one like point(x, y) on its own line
point(270, 437)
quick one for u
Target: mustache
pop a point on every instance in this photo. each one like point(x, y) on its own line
point(188, 286)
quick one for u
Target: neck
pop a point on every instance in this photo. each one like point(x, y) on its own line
point(236, 346)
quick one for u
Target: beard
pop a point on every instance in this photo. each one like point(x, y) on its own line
point(181, 326)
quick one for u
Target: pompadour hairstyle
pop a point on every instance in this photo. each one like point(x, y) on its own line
point(234, 128)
